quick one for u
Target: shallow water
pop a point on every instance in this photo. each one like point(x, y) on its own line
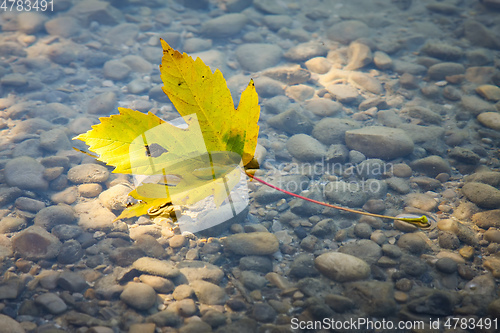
point(387, 106)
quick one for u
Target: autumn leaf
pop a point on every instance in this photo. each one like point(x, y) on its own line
point(193, 88)
point(205, 155)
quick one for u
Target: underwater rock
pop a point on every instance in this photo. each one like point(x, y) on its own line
point(11, 286)
point(54, 215)
point(323, 107)
point(28, 204)
point(139, 296)
point(448, 240)
point(382, 60)
point(373, 297)
point(116, 70)
point(422, 113)
point(476, 105)
point(306, 208)
point(137, 63)
point(208, 293)
point(71, 252)
point(399, 185)
point(413, 243)
point(90, 190)
point(366, 82)
point(88, 173)
point(402, 67)
point(464, 155)
point(62, 53)
point(252, 280)
point(490, 120)
point(492, 264)
point(256, 263)
point(364, 249)
point(346, 194)
point(92, 215)
point(192, 45)
point(489, 92)
point(319, 65)
point(479, 35)
point(159, 284)
point(263, 312)
point(483, 195)
point(337, 154)
point(299, 92)
point(63, 26)
point(481, 75)
point(10, 325)
point(165, 318)
point(492, 235)
point(292, 183)
point(182, 291)
point(303, 266)
point(446, 265)
point(292, 122)
point(187, 308)
point(306, 51)
point(99, 11)
point(409, 81)
point(348, 31)
point(14, 80)
point(150, 246)
point(421, 201)
point(102, 104)
point(267, 87)
point(71, 281)
point(52, 303)
point(224, 25)
point(343, 93)
point(431, 165)
point(25, 173)
point(379, 142)
point(372, 168)
point(258, 56)
point(137, 87)
point(342, 267)
point(442, 8)
point(30, 22)
point(12, 224)
point(441, 70)
point(305, 148)
point(363, 230)
point(66, 196)
point(276, 104)
point(359, 55)
point(290, 75)
point(115, 198)
point(123, 256)
point(156, 267)
point(9, 194)
point(442, 50)
point(200, 270)
point(176, 241)
point(332, 130)
point(36, 243)
point(270, 6)
point(255, 243)
point(487, 219)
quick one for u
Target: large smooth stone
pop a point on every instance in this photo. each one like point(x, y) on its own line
point(380, 142)
point(342, 267)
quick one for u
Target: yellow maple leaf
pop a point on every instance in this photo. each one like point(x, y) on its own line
point(205, 156)
point(193, 88)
